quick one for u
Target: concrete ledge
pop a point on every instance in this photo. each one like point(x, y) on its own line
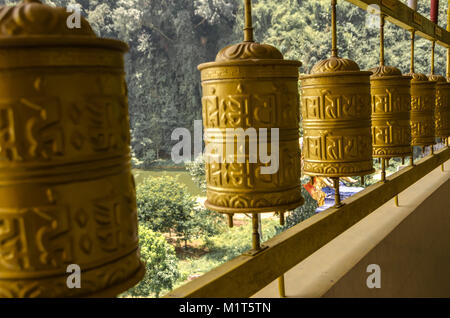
point(410, 243)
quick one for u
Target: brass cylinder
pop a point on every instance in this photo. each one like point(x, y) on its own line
point(391, 113)
point(251, 86)
point(67, 195)
point(423, 101)
point(442, 110)
point(336, 120)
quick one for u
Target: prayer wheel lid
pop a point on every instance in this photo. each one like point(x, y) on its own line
point(249, 51)
point(418, 77)
point(32, 23)
point(437, 78)
point(385, 71)
point(335, 64)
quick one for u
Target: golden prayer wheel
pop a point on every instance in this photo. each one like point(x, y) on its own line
point(391, 113)
point(423, 101)
point(67, 196)
point(337, 140)
point(251, 86)
point(442, 110)
point(250, 90)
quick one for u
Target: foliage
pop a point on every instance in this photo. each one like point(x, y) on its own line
point(235, 241)
point(301, 213)
point(161, 265)
point(165, 205)
point(196, 169)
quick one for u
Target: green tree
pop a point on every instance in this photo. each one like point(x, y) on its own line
point(196, 169)
point(301, 213)
point(165, 205)
point(161, 265)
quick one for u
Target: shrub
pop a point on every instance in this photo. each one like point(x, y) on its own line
point(165, 205)
point(161, 265)
point(196, 169)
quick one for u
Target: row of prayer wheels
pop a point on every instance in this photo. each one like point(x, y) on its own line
point(349, 116)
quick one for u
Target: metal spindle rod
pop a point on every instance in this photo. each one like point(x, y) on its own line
point(433, 47)
point(282, 219)
point(413, 39)
point(334, 49)
point(382, 22)
point(383, 170)
point(248, 30)
point(256, 242)
point(337, 194)
point(448, 49)
point(230, 220)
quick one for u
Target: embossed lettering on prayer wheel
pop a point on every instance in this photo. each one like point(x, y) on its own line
point(67, 195)
point(250, 86)
point(336, 114)
point(442, 110)
point(423, 101)
point(391, 113)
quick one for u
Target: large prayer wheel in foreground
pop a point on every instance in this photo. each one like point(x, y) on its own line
point(391, 113)
point(423, 101)
point(251, 87)
point(67, 195)
point(442, 110)
point(337, 139)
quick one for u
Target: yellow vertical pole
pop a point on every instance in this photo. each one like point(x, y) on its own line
point(248, 29)
point(281, 287)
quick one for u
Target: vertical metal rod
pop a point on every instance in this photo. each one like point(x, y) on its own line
point(403, 161)
point(282, 220)
point(383, 170)
point(337, 194)
point(281, 287)
point(413, 38)
point(431, 150)
point(230, 220)
point(396, 201)
point(448, 49)
point(382, 21)
point(363, 181)
point(433, 46)
point(256, 243)
point(334, 50)
point(412, 159)
point(248, 30)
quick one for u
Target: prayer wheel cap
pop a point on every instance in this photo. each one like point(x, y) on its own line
point(32, 23)
point(417, 77)
point(249, 51)
point(437, 78)
point(335, 64)
point(385, 71)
